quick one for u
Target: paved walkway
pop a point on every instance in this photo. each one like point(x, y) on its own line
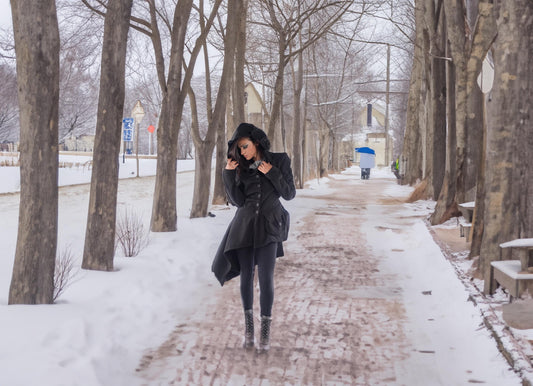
point(338, 318)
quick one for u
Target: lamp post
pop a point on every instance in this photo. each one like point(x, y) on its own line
point(138, 115)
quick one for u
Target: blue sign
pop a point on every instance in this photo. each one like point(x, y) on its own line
point(128, 129)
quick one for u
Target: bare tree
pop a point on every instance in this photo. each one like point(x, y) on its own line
point(37, 50)
point(286, 19)
point(99, 248)
point(235, 106)
point(9, 113)
point(204, 148)
point(467, 50)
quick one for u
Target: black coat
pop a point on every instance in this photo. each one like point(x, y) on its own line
point(260, 218)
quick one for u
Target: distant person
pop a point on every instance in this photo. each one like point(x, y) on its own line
point(254, 179)
point(366, 162)
point(395, 168)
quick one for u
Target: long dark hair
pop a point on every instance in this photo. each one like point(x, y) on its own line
point(234, 153)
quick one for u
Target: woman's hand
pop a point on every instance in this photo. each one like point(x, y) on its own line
point(232, 164)
point(264, 167)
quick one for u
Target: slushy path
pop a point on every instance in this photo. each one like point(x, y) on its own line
point(357, 302)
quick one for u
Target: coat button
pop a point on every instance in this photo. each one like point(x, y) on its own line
point(257, 205)
point(256, 212)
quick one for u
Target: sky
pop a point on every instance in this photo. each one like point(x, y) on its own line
point(100, 327)
point(5, 13)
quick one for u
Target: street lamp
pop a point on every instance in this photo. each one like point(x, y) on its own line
point(138, 115)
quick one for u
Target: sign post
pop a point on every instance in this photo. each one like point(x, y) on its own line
point(151, 130)
point(138, 114)
point(127, 129)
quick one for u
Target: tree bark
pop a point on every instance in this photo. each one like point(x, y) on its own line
point(99, 246)
point(507, 174)
point(436, 154)
point(204, 149)
point(412, 138)
point(297, 124)
point(446, 206)
point(241, 8)
point(37, 50)
point(164, 211)
point(235, 107)
point(484, 34)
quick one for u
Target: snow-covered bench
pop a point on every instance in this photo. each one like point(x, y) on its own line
point(465, 226)
point(467, 209)
point(464, 230)
point(509, 275)
point(513, 275)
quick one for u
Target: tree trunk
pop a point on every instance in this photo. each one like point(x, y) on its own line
point(436, 154)
point(241, 8)
point(412, 138)
point(272, 133)
point(164, 210)
point(297, 125)
point(323, 152)
point(484, 34)
point(99, 246)
point(478, 218)
point(509, 134)
point(446, 206)
point(205, 148)
point(235, 106)
point(219, 193)
point(37, 50)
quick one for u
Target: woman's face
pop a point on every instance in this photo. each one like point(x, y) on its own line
point(247, 148)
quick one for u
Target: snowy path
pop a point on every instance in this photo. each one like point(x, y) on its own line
point(362, 298)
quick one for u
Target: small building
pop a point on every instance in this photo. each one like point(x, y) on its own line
point(255, 111)
point(372, 133)
point(83, 143)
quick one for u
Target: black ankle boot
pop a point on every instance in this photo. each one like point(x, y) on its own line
point(264, 342)
point(249, 329)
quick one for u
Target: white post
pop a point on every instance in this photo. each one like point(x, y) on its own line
point(138, 115)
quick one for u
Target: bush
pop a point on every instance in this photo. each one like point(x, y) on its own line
point(64, 271)
point(130, 234)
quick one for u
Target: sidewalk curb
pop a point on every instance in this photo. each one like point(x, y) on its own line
point(507, 343)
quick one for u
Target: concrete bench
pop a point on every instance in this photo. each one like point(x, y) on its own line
point(509, 274)
point(467, 210)
point(522, 247)
point(464, 230)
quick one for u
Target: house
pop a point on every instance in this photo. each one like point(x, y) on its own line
point(83, 142)
point(255, 111)
point(372, 133)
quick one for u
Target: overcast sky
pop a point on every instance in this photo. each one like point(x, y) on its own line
point(5, 13)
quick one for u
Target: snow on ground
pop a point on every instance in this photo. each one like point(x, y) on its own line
point(78, 170)
point(101, 326)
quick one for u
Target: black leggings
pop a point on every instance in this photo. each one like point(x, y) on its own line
point(265, 258)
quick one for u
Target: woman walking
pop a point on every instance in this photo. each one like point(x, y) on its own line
point(254, 179)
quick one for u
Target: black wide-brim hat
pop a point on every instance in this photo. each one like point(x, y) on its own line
point(247, 130)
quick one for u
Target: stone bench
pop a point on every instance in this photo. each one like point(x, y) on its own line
point(509, 275)
point(464, 230)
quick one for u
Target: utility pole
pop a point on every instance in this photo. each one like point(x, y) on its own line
point(138, 115)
